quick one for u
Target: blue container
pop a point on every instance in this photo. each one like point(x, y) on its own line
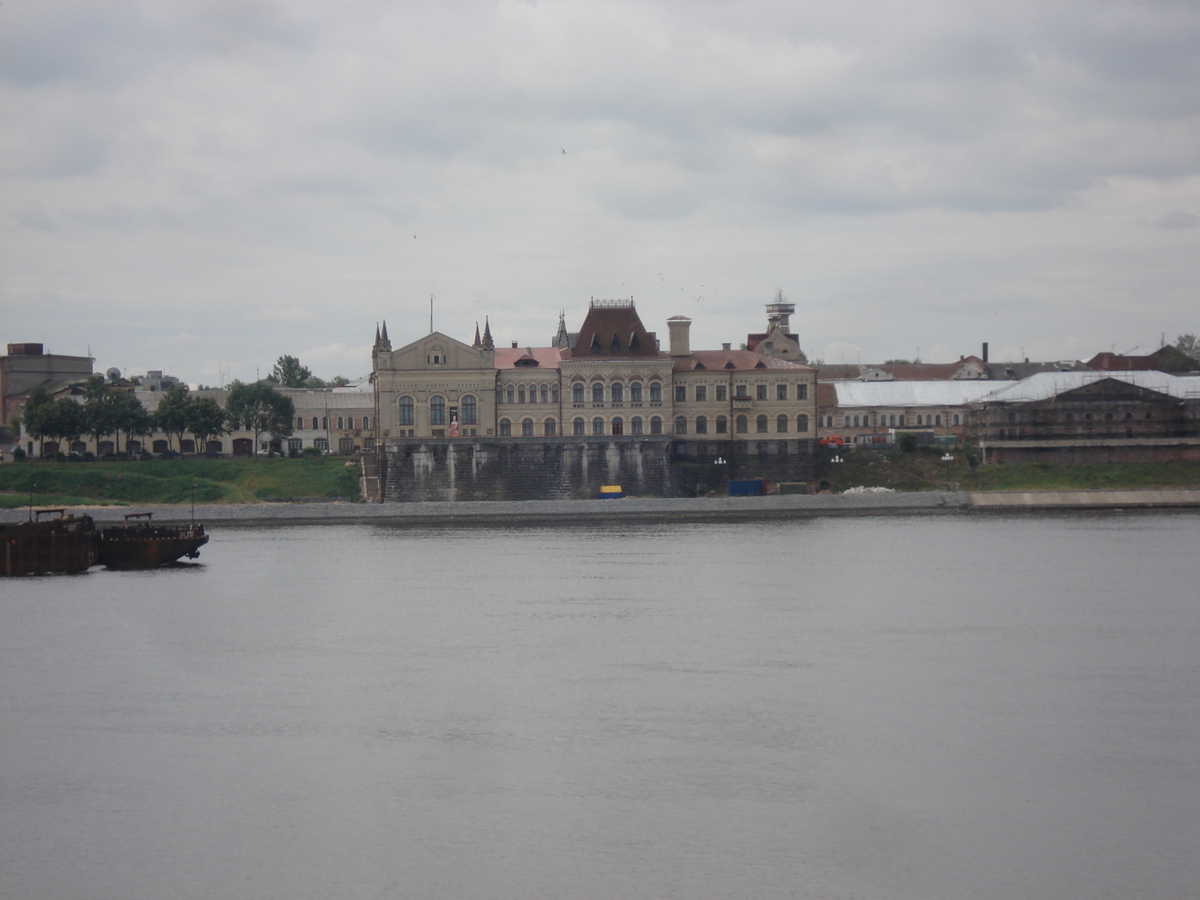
point(752, 488)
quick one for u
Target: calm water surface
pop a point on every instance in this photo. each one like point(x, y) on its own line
point(861, 708)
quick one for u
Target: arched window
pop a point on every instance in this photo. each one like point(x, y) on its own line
point(598, 393)
point(635, 425)
point(366, 422)
point(577, 426)
point(341, 423)
point(618, 425)
point(577, 392)
point(350, 422)
point(802, 423)
point(470, 410)
point(527, 428)
point(554, 393)
point(1108, 417)
point(437, 410)
point(505, 428)
point(548, 428)
point(846, 423)
point(856, 421)
point(635, 392)
point(937, 420)
point(1070, 417)
point(956, 418)
point(655, 392)
point(681, 424)
point(655, 425)
point(760, 424)
point(511, 394)
point(741, 425)
point(325, 422)
point(618, 393)
point(299, 421)
point(546, 394)
point(597, 425)
point(521, 394)
point(316, 420)
point(722, 424)
point(892, 419)
point(701, 425)
point(901, 420)
point(781, 423)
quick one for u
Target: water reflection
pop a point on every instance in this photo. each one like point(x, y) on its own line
point(906, 707)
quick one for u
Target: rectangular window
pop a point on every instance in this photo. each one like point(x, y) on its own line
point(722, 392)
point(321, 443)
point(701, 393)
point(680, 393)
point(740, 391)
point(781, 391)
point(802, 392)
point(760, 391)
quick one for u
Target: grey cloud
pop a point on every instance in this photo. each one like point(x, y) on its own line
point(1178, 218)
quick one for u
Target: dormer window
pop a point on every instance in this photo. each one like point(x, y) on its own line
point(436, 356)
point(634, 343)
point(596, 345)
point(615, 346)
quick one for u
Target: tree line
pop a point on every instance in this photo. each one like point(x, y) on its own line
point(109, 410)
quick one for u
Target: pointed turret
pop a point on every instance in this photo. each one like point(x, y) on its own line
point(376, 335)
point(561, 338)
point(478, 343)
point(385, 335)
point(488, 344)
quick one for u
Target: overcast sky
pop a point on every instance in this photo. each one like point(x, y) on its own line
point(201, 187)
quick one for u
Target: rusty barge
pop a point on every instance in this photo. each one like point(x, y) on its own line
point(144, 545)
point(62, 544)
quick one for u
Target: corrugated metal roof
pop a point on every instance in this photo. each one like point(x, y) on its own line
point(909, 393)
point(1045, 385)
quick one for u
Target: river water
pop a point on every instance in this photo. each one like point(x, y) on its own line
point(916, 707)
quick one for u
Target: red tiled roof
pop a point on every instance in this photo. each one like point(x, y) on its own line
point(739, 360)
point(614, 332)
point(1116, 362)
point(547, 357)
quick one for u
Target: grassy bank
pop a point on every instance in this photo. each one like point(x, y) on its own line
point(170, 481)
point(923, 469)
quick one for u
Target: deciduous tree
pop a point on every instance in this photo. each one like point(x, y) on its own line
point(260, 408)
point(99, 409)
point(130, 416)
point(64, 419)
point(205, 420)
point(33, 416)
point(171, 414)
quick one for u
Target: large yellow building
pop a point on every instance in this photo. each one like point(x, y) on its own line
point(609, 387)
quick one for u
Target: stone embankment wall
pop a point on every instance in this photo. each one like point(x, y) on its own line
point(570, 468)
point(459, 470)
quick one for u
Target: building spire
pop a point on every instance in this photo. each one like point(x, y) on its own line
point(385, 337)
point(487, 335)
point(478, 343)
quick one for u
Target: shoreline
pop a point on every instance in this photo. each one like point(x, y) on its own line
point(645, 510)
